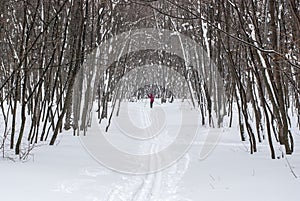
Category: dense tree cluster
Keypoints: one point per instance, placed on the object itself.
(253, 46)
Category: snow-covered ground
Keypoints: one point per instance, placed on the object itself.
(71, 171)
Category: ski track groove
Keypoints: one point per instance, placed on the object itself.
(145, 192)
(159, 186)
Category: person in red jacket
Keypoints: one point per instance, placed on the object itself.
(151, 99)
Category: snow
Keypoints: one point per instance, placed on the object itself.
(67, 171)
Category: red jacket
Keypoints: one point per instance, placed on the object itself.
(151, 97)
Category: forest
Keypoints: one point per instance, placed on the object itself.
(49, 77)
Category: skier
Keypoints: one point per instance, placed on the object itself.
(151, 99)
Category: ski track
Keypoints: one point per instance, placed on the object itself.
(150, 180)
(159, 186)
